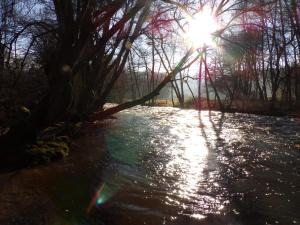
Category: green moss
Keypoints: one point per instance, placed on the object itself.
(65, 139)
(53, 143)
(46, 151)
(25, 110)
(61, 129)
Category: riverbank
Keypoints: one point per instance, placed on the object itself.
(53, 143)
(46, 194)
(238, 106)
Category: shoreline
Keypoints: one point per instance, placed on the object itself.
(255, 107)
(63, 148)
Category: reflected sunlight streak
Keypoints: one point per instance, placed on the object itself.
(188, 159)
(189, 164)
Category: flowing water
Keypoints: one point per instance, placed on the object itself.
(167, 166)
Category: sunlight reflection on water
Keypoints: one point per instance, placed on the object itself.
(168, 166)
(188, 158)
(171, 164)
(186, 155)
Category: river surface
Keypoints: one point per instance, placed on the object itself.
(166, 166)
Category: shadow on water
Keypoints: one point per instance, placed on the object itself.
(166, 166)
(254, 171)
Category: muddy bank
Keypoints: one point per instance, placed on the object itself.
(30, 195)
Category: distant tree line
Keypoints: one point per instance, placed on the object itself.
(259, 56)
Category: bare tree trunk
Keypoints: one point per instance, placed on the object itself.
(199, 83)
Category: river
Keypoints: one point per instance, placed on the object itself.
(166, 166)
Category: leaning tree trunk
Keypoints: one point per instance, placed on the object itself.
(108, 112)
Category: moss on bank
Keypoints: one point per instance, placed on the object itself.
(47, 151)
(53, 143)
(50, 144)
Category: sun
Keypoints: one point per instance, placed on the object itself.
(200, 28)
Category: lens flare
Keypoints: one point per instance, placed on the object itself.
(101, 196)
